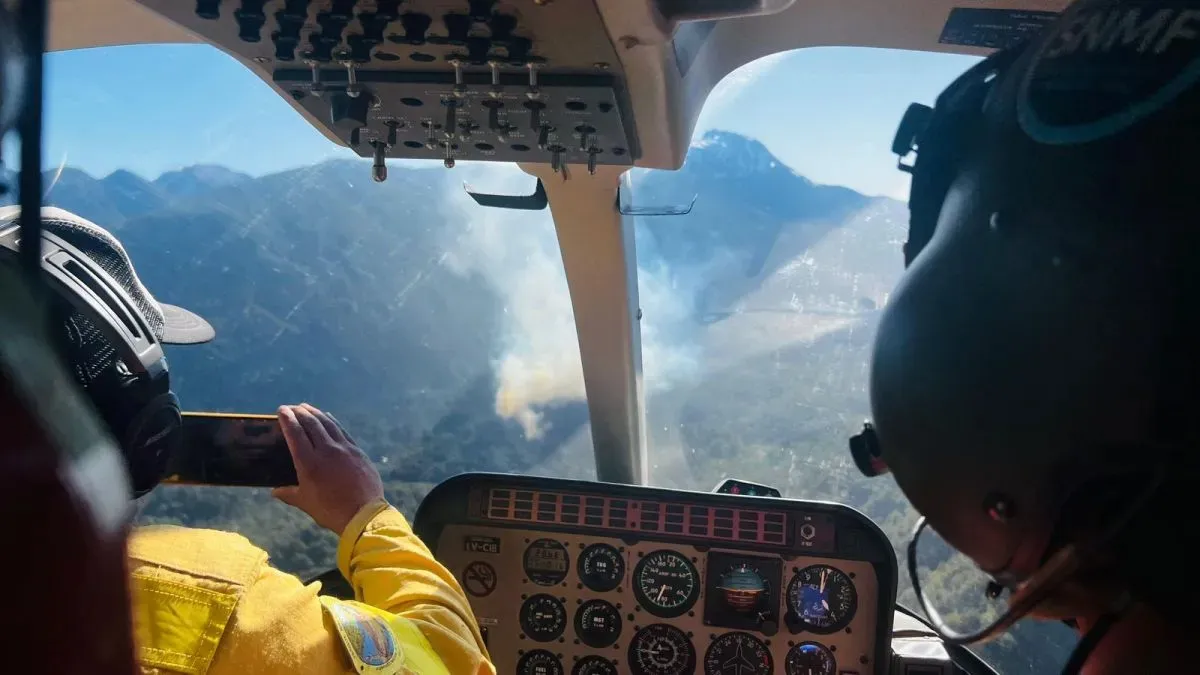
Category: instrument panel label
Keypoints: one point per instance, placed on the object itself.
(479, 544)
(992, 28)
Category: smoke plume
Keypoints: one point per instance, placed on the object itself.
(537, 362)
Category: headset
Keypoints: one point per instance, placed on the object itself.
(113, 352)
(941, 137)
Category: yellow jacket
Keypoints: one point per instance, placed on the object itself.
(206, 603)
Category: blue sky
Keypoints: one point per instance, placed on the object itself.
(828, 112)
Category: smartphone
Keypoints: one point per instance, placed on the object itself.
(232, 449)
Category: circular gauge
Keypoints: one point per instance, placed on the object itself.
(738, 654)
(666, 583)
(601, 567)
(597, 623)
(539, 662)
(661, 649)
(743, 588)
(822, 598)
(546, 562)
(809, 658)
(594, 665)
(543, 617)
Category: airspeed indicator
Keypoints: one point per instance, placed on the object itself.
(666, 583)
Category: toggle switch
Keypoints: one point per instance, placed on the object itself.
(494, 108)
(586, 135)
(556, 153)
(353, 88)
(379, 161)
(455, 60)
(451, 105)
(317, 88)
(497, 89)
(501, 129)
(534, 92)
(535, 114)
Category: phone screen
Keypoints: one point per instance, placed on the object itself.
(231, 449)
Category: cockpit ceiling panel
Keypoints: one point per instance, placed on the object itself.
(77, 24)
(554, 82)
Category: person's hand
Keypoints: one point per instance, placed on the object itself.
(335, 478)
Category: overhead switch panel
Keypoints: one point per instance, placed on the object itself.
(528, 81)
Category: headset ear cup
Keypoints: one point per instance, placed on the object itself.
(930, 182)
(152, 439)
(946, 137)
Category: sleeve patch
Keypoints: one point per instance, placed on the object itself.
(368, 639)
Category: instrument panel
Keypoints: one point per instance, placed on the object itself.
(591, 578)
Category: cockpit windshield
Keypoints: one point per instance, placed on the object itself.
(440, 332)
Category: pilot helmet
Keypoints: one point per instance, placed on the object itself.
(1033, 372)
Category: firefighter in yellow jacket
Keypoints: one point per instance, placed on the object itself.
(207, 602)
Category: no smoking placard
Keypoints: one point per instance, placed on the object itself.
(479, 579)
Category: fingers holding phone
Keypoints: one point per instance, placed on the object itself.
(336, 479)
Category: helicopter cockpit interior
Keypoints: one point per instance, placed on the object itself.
(584, 548)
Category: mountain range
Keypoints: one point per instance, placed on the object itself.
(325, 286)
(395, 304)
